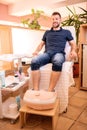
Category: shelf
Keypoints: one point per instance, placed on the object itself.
(83, 34)
(5, 108)
(7, 115)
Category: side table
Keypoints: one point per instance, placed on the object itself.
(18, 89)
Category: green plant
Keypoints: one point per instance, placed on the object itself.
(25, 22)
(84, 15)
(75, 20)
(34, 24)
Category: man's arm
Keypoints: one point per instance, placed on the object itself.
(73, 53)
(39, 47)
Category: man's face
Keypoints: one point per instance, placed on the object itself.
(56, 20)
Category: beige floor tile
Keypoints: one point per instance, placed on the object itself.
(8, 126)
(33, 121)
(78, 126)
(72, 91)
(2, 123)
(64, 123)
(30, 128)
(46, 123)
(15, 127)
(78, 102)
(81, 94)
(72, 112)
(38, 128)
(83, 117)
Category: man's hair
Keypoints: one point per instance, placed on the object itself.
(56, 13)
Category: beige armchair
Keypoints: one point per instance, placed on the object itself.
(65, 80)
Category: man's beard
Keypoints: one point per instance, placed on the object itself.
(56, 26)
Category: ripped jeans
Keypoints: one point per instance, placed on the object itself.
(57, 59)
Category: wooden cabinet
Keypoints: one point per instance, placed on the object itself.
(83, 34)
(83, 57)
(5, 46)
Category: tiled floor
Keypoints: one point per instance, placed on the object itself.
(74, 119)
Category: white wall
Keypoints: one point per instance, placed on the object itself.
(25, 40)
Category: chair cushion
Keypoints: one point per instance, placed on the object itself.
(39, 100)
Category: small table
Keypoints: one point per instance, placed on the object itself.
(52, 113)
(18, 89)
(6, 95)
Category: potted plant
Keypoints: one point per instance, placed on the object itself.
(76, 20)
(34, 24)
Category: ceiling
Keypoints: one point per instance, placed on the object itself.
(23, 7)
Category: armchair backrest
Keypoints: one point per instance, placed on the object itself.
(68, 47)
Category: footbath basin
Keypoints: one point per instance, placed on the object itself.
(40, 100)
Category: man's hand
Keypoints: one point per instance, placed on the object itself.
(73, 55)
(38, 49)
(35, 53)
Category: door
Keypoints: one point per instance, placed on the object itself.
(5, 46)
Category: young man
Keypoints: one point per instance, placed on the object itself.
(54, 41)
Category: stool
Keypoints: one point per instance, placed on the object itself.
(54, 113)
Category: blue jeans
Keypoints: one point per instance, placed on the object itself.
(56, 59)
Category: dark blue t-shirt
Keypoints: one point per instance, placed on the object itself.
(55, 40)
